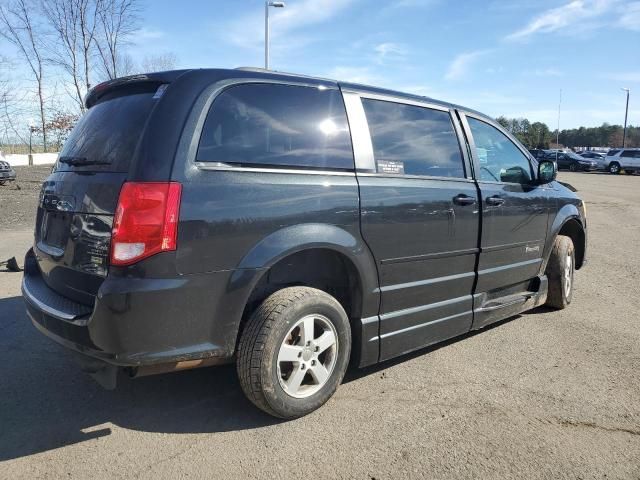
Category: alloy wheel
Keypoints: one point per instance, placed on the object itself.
(568, 274)
(307, 356)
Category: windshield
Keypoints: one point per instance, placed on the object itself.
(107, 134)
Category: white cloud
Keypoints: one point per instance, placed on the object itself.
(554, 19)
(624, 76)
(412, 3)
(460, 65)
(248, 31)
(148, 34)
(630, 16)
(355, 75)
(389, 51)
(547, 72)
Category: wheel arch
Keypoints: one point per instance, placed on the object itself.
(568, 222)
(321, 256)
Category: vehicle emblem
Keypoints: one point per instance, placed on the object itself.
(62, 203)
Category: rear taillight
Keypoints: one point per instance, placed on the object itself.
(146, 221)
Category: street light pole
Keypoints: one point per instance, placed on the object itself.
(558, 129)
(626, 113)
(268, 4)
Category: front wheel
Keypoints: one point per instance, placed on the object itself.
(614, 167)
(560, 270)
(294, 352)
(573, 167)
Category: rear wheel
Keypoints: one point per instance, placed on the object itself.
(614, 167)
(294, 351)
(573, 167)
(560, 270)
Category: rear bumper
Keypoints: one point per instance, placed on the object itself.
(7, 175)
(140, 322)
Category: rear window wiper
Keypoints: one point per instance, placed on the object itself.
(74, 161)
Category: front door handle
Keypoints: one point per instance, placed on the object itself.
(462, 199)
(495, 200)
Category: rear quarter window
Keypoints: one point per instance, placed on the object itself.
(277, 125)
(630, 153)
(106, 136)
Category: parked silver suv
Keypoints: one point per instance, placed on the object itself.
(627, 159)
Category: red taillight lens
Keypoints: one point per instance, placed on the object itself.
(146, 221)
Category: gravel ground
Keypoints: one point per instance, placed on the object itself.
(19, 199)
(544, 395)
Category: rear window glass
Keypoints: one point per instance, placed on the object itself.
(413, 140)
(277, 125)
(106, 136)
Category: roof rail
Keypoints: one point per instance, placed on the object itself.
(253, 69)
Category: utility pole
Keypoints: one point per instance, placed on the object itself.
(626, 114)
(558, 129)
(268, 4)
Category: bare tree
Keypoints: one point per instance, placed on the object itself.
(159, 63)
(17, 25)
(75, 23)
(117, 20)
(14, 107)
(60, 127)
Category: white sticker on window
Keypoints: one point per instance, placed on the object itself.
(390, 167)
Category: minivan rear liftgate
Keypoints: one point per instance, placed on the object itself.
(78, 201)
(73, 231)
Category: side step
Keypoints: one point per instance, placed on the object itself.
(506, 301)
(496, 309)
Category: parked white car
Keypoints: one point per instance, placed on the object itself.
(627, 159)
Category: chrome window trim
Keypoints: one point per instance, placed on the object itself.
(397, 99)
(363, 143)
(195, 122)
(533, 164)
(360, 134)
(228, 167)
(532, 161)
(417, 177)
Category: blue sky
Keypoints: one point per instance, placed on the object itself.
(506, 57)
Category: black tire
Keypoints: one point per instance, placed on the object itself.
(614, 167)
(265, 332)
(573, 167)
(561, 288)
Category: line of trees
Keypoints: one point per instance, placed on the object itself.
(538, 134)
(65, 47)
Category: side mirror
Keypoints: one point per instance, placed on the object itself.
(547, 171)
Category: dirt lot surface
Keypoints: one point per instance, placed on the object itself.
(19, 199)
(544, 395)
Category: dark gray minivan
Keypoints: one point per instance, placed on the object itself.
(290, 225)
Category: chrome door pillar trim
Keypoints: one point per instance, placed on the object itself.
(360, 135)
